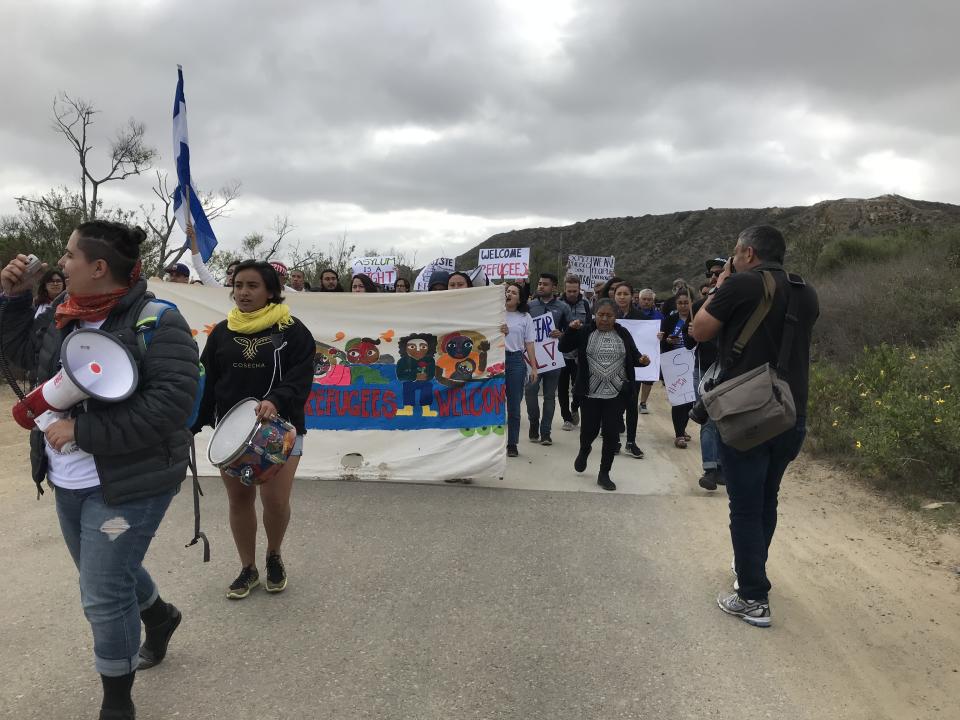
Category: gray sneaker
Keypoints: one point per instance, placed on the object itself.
(643, 409)
(750, 611)
(567, 425)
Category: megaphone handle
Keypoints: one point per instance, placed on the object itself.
(48, 418)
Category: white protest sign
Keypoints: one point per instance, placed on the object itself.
(549, 357)
(644, 334)
(591, 269)
(423, 279)
(381, 269)
(505, 263)
(677, 367)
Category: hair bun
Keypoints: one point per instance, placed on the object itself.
(137, 235)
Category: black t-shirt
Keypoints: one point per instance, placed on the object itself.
(733, 305)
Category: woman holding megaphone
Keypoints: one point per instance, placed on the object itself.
(128, 457)
(259, 364)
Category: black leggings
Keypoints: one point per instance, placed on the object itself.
(601, 416)
(633, 412)
(681, 416)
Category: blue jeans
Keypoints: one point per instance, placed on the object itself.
(516, 368)
(550, 381)
(709, 437)
(107, 544)
(753, 481)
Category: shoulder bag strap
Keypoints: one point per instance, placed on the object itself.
(789, 330)
(769, 287)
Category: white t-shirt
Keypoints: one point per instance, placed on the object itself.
(521, 331)
(75, 470)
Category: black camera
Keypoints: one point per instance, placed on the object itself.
(698, 413)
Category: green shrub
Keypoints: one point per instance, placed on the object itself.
(846, 251)
(895, 414)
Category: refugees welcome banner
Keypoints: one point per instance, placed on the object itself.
(406, 386)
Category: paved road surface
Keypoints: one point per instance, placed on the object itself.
(448, 602)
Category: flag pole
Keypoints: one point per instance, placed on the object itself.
(186, 211)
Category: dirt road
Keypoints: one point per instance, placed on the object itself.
(537, 597)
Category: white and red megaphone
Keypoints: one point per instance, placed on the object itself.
(95, 364)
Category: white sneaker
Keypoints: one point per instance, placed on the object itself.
(750, 611)
(643, 409)
(567, 425)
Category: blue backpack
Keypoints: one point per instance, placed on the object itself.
(146, 326)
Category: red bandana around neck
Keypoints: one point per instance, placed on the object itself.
(91, 308)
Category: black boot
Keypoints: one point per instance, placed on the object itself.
(160, 620)
(580, 464)
(604, 481)
(117, 703)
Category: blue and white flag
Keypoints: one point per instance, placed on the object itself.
(206, 240)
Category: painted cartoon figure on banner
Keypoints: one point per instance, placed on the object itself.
(330, 365)
(416, 369)
(463, 358)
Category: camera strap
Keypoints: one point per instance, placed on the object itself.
(758, 316)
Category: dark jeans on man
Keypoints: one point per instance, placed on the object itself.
(753, 481)
(568, 402)
(601, 417)
(549, 382)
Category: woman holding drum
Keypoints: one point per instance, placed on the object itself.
(260, 352)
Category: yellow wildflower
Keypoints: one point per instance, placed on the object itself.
(912, 356)
(937, 421)
(946, 387)
(940, 401)
(835, 423)
(859, 445)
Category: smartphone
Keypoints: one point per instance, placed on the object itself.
(33, 267)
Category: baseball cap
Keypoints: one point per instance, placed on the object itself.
(178, 269)
(715, 261)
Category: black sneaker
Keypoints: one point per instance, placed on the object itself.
(580, 464)
(154, 647)
(534, 434)
(709, 480)
(604, 481)
(276, 574)
(127, 713)
(246, 581)
(635, 451)
(643, 409)
(546, 440)
(512, 451)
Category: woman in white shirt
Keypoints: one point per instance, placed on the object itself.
(519, 338)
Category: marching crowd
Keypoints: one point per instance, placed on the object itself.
(115, 467)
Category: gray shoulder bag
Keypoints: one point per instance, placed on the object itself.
(758, 405)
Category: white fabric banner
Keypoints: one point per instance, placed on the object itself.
(677, 366)
(382, 270)
(505, 263)
(644, 334)
(431, 406)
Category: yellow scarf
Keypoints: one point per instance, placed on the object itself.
(253, 322)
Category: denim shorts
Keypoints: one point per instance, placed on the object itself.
(297, 447)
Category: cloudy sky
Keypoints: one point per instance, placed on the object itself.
(429, 125)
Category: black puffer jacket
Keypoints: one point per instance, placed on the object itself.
(576, 341)
(140, 445)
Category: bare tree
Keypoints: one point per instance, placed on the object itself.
(161, 221)
(281, 228)
(129, 153)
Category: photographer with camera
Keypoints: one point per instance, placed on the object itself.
(763, 319)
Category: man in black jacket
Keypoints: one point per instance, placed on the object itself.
(753, 476)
